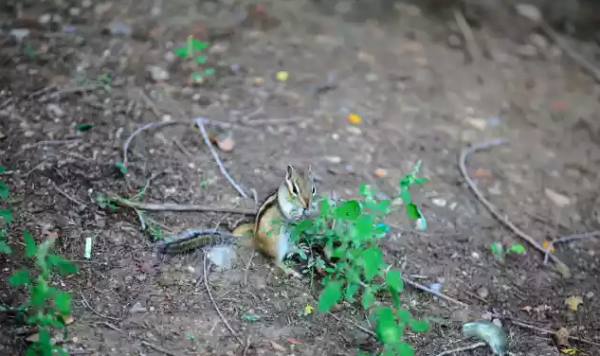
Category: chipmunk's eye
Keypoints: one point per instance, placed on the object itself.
(314, 190)
(294, 190)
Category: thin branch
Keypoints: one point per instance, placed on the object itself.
(179, 207)
(217, 308)
(460, 349)
(436, 293)
(64, 194)
(158, 348)
(549, 332)
(168, 123)
(564, 269)
(567, 239)
(361, 328)
(199, 122)
(576, 57)
(472, 47)
(87, 304)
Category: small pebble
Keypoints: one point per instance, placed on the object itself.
(353, 130)
(334, 159)
(381, 173)
(483, 292)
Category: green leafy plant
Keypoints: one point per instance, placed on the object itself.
(192, 51)
(500, 251)
(348, 233)
(47, 307)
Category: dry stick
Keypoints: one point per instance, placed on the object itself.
(460, 349)
(179, 207)
(168, 123)
(503, 219)
(199, 122)
(217, 308)
(66, 195)
(567, 239)
(85, 302)
(577, 58)
(436, 293)
(549, 332)
(158, 348)
(468, 35)
(361, 328)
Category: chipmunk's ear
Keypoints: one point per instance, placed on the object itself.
(289, 172)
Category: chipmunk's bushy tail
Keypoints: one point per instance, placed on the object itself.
(194, 239)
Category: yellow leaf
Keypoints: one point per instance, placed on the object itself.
(308, 309)
(282, 76)
(354, 119)
(545, 245)
(573, 302)
(569, 351)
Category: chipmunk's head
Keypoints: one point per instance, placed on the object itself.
(299, 190)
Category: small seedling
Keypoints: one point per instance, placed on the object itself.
(500, 251)
(192, 52)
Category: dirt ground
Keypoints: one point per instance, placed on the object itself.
(420, 97)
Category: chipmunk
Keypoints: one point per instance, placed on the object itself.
(268, 232)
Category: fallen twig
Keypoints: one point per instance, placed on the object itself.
(567, 239)
(472, 47)
(158, 348)
(431, 291)
(179, 207)
(168, 123)
(199, 122)
(546, 331)
(64, 194)
(563, 269)
(217, 307)
(576, 57)
(87, 304)
(460, 349)
(361, 328)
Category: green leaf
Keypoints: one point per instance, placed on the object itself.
(363, 190)
(181, 52)
(497, 249)
(199, 45)
(64, 267)
(6, 215)
(386, 329)
(39, 295)
(20, 277)
(383, 206)
(84, 127)
(418, 326)
(517, 248)
(393, 280)
(2, 169)
(201, 59)
(330, 296)
(209, 71)
(420, 180)
(63, 302)
(30, 248)
(351, 289)
(404, 349)
(372, 260)
(406, 196)
(3, 190)
(4, 248)
(364, 227)
(121, 167)
(250, 317)
(412, 211)
(350, 210)
(368, 299)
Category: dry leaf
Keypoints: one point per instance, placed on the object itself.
(68, 319)
(482, 173)
(573, 302)
(527, 308)
(561, 337)
(278, 347)
(381, 173)
(557, 198)
(33, 338)
(354, 119)
(546, 244)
